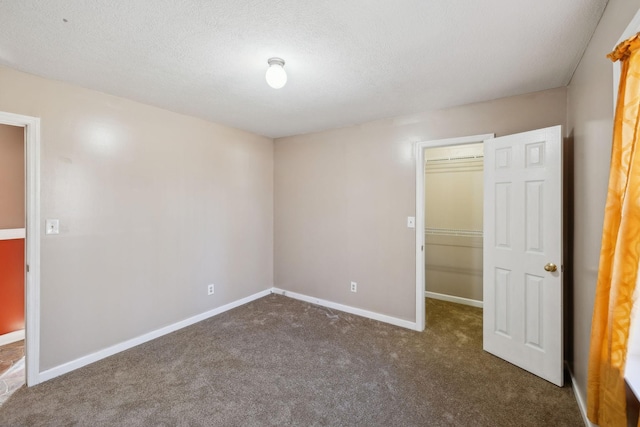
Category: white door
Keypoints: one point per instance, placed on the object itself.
(523, 251)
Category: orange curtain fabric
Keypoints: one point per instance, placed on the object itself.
(620, 251)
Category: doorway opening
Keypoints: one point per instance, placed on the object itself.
(30, 234)
(522, 261)
(453, 223)
(12, 259)
(437, 149)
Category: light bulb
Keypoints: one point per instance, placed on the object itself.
(276, 75)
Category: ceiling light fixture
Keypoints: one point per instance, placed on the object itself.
(276, 75)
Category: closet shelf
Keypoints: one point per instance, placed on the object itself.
(451, 232)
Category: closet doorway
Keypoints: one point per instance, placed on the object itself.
(453, 205)
(522, 254)
(442, 152)
(31, 263)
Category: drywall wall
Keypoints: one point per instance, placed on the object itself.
(342, 198)
(590, 124)
(153, 206)
(453, 221)
(11, 177)
(11, 285)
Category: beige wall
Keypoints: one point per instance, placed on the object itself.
(590, 121)
(342, 198)
(152, 205)
(11, 177)
(454, 188)
(454, 266)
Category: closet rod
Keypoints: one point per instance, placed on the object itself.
(446, 159)
(452, 232)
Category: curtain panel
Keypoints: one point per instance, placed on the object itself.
(619, 254)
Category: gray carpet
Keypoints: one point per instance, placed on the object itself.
(281, 362)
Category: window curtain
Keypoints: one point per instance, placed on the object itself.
(619, 254)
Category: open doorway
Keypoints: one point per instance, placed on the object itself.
(453, 187)
(438, 150)
(522, 250)
(29, 266)
(12, 259)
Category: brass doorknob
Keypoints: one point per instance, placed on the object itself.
(550, 267)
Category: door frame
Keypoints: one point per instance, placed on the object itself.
(420, 179)
(31, 127)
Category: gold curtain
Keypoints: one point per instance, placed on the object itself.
(619, 254)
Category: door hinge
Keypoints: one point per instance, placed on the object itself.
(27, 268)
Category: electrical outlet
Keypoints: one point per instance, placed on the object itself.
(210, 289)
(354, 287)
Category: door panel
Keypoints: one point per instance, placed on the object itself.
(523, 233)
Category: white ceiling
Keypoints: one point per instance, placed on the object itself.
(348, 62)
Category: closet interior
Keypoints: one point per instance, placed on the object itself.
(453, 223)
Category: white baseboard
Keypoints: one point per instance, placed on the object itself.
(117, 348)
(348, 309)
(109, 351)
(581, 403)
(451, 298)
(11, 337)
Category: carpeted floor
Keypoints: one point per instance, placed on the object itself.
(11, 369)
(282, 362)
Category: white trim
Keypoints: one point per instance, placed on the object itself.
(581, 403)
(11, 337)
(12, 233)
(117, 348)
(32, 244)
(420, 177)
(348, 309)
(452, 298)
(126, 345)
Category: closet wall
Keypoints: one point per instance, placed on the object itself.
(453, 221)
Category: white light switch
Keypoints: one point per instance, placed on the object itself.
(411, 221)
(52, 226)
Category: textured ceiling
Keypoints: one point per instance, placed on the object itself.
(348, 62)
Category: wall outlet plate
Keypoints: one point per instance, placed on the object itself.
(210, 289)
(354, 287)
(52, 226)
